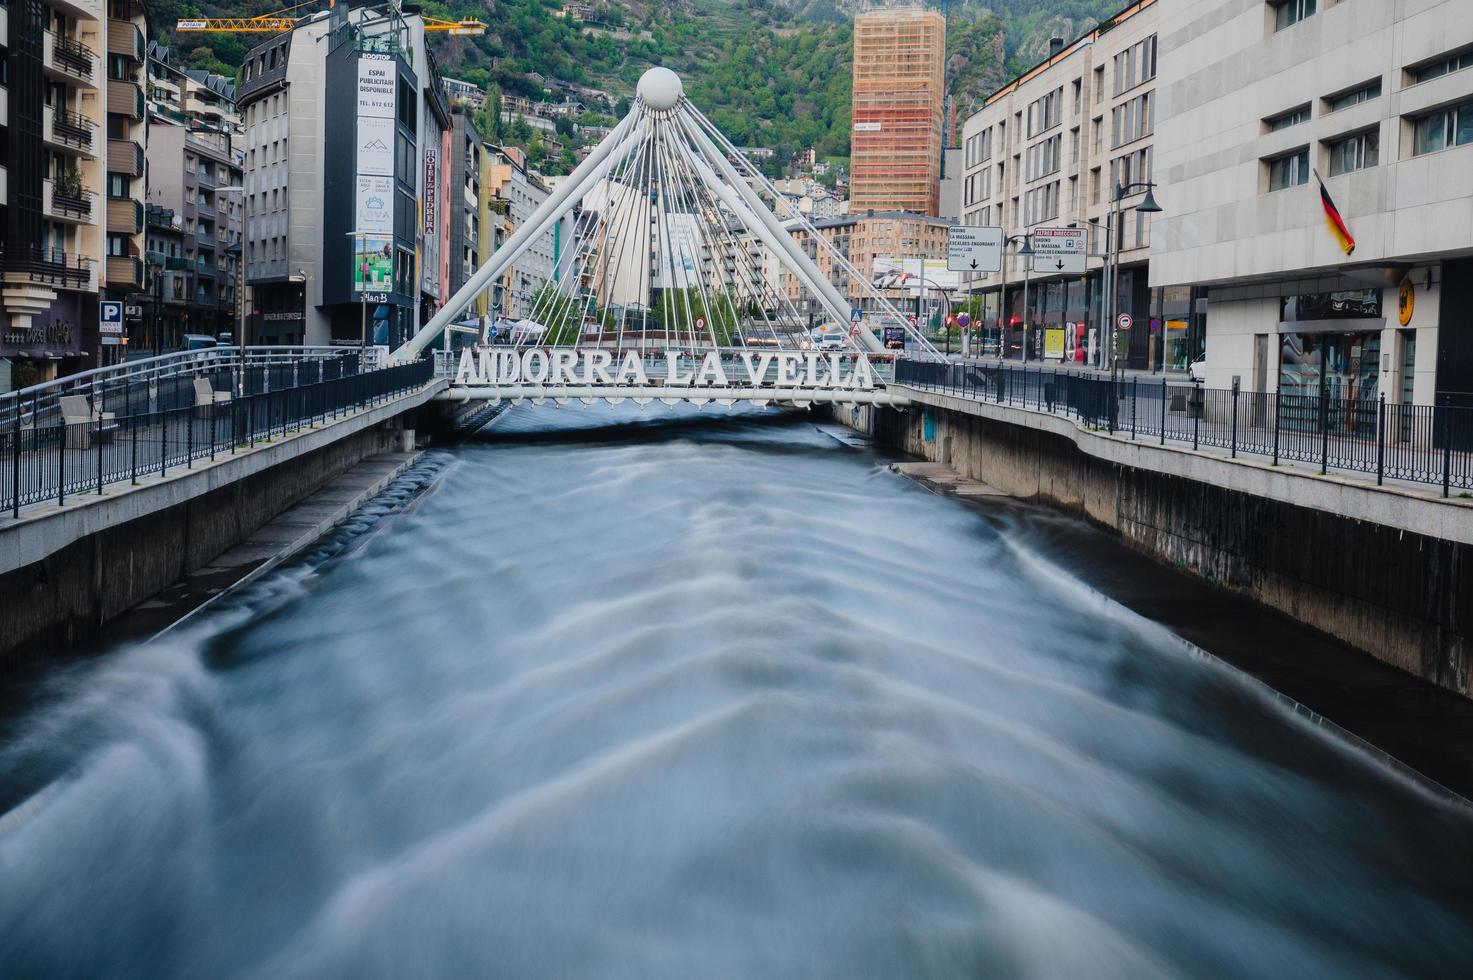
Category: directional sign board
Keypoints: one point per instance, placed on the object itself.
(110, 317)
(974, 249)
(1059, 251)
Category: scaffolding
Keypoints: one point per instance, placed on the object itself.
(899, 92)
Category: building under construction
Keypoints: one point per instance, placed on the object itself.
(899, 90)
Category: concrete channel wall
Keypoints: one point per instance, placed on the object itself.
(66, 571)
(1382, 569)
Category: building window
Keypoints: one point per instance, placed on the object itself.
(1439, 130)
(1287, 13)
(1286, 119)
(1444, 66)
(117, 245)
(1363, 93)
(1046, 113)
(1355, 153)
(1290, 170)
(119, 185)
(1131, 121)
(1136, 65)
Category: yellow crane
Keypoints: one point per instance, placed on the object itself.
(284, 20)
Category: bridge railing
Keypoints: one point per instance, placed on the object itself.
(166, 381)
(1416, 443)
(64, 456)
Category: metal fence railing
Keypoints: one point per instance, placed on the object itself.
(65, 455)
(1415, 443)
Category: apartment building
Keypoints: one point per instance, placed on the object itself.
(195, 178)
(463, 174)
(523, 191)
(127, 123)
(898, 96)
(1376, 98)
(1046, 150)
(345, 212)
(873, 242)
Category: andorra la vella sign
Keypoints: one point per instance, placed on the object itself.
(596, 367)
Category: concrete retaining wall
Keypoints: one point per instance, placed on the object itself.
(1381, 569)
(99, 556)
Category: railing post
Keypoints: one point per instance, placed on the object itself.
(214, 427)
(1134, 382)
(60, 465)
(99, 447)
(1163, 411)
(1324, 433)
(1381, 440)
(1447, 450)
(1199, 400)
(189, 442)
(15, 461)
(1233, 453)
(133, 438)
(1276, 397)
(164, 443)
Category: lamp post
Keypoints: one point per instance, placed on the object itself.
(1026, 251)
(1113, 229)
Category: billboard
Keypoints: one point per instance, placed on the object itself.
(893, 273)
(376, 145)
(376, 81)
(375, 211)
(373, 264)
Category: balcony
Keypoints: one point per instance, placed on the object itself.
(59, 204)
(124, 216)
(69, 60)
(125, 39)
(125, 98)
(125, 157)
(69, 131)
(51, 266)
(125, 271)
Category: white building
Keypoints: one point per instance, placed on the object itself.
(1377, 97)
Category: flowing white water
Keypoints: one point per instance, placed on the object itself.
(641, 695)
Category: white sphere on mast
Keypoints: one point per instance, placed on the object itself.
(660, 89)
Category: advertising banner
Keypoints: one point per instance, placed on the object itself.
(376, 81)
(375, 211)
(373, 264)
(1053, 344)
(376, 145)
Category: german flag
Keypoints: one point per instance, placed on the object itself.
(1332, 218)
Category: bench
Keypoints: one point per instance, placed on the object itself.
(205, 395)
(79, 419)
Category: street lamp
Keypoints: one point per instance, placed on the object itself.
(1147, 205)
(1027, 253)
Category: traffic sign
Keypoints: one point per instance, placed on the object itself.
(1124, 321)
(974, 249)
(855, 315)
(700, 323)
(963, 320)
(1060, 251)
(110, 317)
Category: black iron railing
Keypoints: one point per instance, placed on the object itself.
(163, 426)
(1415, 443)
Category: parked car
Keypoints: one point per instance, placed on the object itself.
(1197, 371)
(199, 341)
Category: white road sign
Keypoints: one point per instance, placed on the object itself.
(1060, 251)
(974, 249)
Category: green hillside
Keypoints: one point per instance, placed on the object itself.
(769, 72)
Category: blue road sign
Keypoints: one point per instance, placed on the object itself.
(110, 317)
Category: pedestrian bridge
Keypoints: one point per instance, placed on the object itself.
(697, 376)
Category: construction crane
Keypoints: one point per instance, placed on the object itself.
(284, 20)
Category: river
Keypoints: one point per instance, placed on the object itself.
(652, 694)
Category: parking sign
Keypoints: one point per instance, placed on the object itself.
(110, 317)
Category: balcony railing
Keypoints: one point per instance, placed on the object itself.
(60, 204)
(124, 216)
(124, 38)
(71, 130)
(125, 270)
(53, 266)
(70, 57)
(125, 97)
(125, 157)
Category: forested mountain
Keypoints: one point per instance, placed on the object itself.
(769, 72)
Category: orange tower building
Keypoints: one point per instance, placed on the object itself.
(899, 91)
